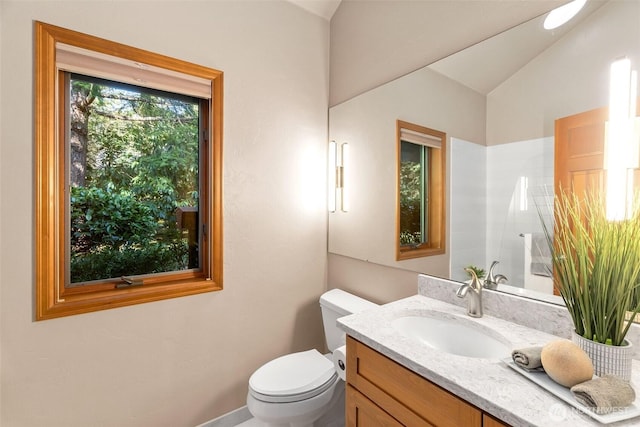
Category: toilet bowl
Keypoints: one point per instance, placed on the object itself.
(294, 390)
(303, 389)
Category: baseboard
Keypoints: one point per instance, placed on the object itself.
(230, 419)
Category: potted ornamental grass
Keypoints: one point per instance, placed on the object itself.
(596, 270)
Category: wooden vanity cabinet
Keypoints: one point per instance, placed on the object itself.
(380, 392)
(489, 421)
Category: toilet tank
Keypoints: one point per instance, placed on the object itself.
(337, 303)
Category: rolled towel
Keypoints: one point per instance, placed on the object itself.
(605, 394)
(528, 358)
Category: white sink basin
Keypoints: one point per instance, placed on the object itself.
(453, 335)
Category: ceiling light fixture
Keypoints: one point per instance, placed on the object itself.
(563, 14)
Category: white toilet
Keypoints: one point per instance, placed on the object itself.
(303, 389)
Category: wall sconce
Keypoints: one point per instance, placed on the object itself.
(338, 158)
(621, 140)
(523, 184)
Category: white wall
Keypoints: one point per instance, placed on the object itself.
(467, 206)
(507, 217)
(378, 283)
(183, 361)
(487, 216)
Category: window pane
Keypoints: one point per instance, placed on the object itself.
(133, 180)
(413, 210)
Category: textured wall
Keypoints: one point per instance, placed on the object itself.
(183, 361)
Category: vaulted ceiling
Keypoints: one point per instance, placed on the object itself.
(323, 8)
(375, 41)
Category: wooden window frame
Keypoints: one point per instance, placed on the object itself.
(437, 196)
(52, 298)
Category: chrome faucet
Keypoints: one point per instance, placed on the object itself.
(474, 289)
(492, 282)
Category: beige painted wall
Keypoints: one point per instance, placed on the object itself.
(183, 361)
(1, 201)
(375, 282)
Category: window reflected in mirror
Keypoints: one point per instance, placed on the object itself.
(420, 216)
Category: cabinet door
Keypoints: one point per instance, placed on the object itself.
(409, 398)
(489, 421)
(361, 412)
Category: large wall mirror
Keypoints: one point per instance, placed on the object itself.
(497, 101)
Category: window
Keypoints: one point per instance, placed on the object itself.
(420, 217)
(128, 175)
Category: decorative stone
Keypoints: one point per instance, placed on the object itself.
(566, 363)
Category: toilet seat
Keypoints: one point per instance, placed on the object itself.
(293, 377)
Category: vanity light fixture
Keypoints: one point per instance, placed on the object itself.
(563, 14)
(524, 193)
(344, 200)
(337, 197)
(621, 140)
(332, 176)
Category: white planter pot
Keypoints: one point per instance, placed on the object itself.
(607, 359)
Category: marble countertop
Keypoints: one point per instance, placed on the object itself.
(488, 384)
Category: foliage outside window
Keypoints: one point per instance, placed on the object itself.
(133, 168)
(128, 175)
(414, 193)
(420, 205)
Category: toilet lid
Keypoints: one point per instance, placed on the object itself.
(293, 377)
